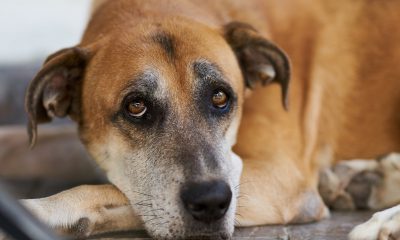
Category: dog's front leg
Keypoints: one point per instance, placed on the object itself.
(281, 196)
(85, 211)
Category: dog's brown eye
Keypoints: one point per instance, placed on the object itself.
(219, 99)
(137, 108)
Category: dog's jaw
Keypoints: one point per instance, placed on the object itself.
(155, 199)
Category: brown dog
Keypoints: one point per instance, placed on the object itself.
(158, 89)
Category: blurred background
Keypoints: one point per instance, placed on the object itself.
(30, 31)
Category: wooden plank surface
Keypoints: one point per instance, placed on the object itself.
(335, 228)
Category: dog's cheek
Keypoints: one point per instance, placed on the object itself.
(232, 131)
(109, 153)
(160, 207)
(148, 180)
(237, 167)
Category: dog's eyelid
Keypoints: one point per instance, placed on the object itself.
(222, 86)
(216, 80)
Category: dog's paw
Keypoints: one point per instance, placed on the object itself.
(64, 218)
(85, 210)
(384, 225)
(349, 184)
(362, 184)
(387, 192)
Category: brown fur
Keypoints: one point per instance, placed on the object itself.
(344, 96)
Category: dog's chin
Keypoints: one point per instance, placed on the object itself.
(204, 236)
(196, 230)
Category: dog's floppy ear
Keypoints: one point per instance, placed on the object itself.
(259, 59)
(55, 89)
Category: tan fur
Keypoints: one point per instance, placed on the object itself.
(344, 97)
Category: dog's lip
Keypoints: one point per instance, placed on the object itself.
(214, 237)
(205, 236)
(218, 234)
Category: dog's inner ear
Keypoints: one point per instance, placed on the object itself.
(260, 60)
(55, 90)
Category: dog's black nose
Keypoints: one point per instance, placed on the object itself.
(207, 201)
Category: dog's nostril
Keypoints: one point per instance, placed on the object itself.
(207, 201)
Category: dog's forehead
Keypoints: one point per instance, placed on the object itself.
(174, 51)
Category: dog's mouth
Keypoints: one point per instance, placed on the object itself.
(217, 236)
(190, 228)
(180, 223)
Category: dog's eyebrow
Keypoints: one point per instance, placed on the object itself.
(204, 69)
(146, 82)
(166, 41)
(210, 76)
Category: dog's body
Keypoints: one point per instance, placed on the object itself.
(344, 104)
(344, 99)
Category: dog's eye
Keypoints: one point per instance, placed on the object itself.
(137, 108)
(219, 99)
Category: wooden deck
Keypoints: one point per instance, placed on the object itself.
(335, 228)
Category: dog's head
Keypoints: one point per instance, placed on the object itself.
(158, 108)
